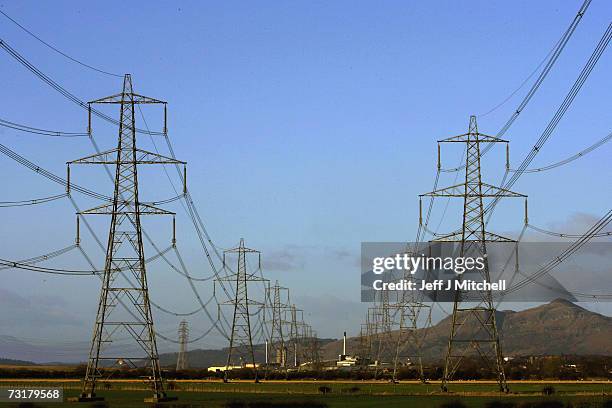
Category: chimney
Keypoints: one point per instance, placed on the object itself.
(344, 345)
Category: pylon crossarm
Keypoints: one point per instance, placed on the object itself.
(144, 209)
(251, 277)
(457, 236)
(489, 190)
(106, 157)
(128, 97)
(110, 157)
(459, 190)
(452, 191)
(472, 137)
(238, 249)
(145, 157)
(249, 302)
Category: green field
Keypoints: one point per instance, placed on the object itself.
(194, 394)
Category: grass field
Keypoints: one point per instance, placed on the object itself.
(305, 394)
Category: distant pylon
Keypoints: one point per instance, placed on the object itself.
(294, 335)
(241, 337)
(407, 311)
(304, 339)
(408, 340)
(384, 334)
(314, 348)
(473, 237)
(277, 337)
(364, 342)
(183, 337)
(124, 308)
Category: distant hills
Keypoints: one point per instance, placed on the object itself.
(556, 328)
(11, 362)
(13, 348)
(559, 327)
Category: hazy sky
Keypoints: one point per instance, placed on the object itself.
(308, 127)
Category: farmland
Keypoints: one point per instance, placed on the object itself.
(131, 393)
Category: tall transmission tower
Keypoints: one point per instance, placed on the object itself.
(294, 333)
(314, 349)
(303, 333)
(277, 338)
(125, 279)
(384, 322)
(372, 332)
(476, 309)
(408, 340)
(241, 337)
(407, 311)
(365, 341)
(183, 337)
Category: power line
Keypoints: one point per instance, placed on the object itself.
(557, 52)
(44, 257)
(567, 101)
(570, 159)
(553, 263)
(38, 131)
(49, 175)
(63, 91)
(505, 100)
(566, 235)
(549, 65)
(54, 271)
(560, 163)
(33, 201)
(57, 50)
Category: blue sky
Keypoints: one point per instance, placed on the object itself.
(308, 127)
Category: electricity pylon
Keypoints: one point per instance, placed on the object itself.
(407, 311)
(314, 349)
(372, 332)
(365, 341)
(303, 333)
(383, 320)
(183, 337)
(477, 308)
(294, 335)
(279, 307)
(125, 279)
(407, 315)
(241, 337)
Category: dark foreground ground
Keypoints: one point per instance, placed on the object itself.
(341, 394)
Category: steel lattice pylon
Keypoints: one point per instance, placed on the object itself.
(294, 334)
(183, 337)
(383, 320)
(277, 337)
(241, 337)
(124, 308)
(407, 315)
(407, 311)
(480, 311)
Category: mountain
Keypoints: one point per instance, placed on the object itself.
(13, 348)
(559, 327)
(556, 328)
(11, 362)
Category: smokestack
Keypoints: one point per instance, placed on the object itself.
(344, 345)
